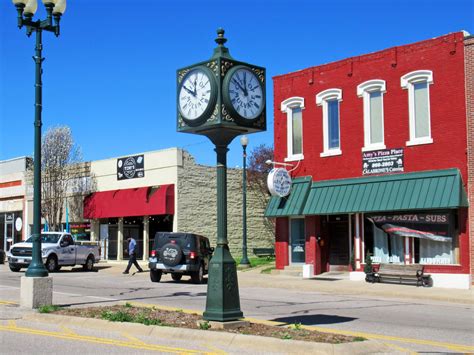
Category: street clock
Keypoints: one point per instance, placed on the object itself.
(221, 96)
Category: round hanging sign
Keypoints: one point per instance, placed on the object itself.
(279, 182)
(18, 224)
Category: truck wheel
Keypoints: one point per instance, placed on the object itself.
(89, 265)
(15, 268)
(198, 276)
(176, 277)
(51, 263)
(57, 268)
(155, 275)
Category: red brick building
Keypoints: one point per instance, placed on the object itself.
(378, 147)
(469, 69)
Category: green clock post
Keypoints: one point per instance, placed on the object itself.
(221, 98)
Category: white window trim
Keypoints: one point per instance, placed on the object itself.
(287, 106)
(364, 90)
(407, 82)
(322, 100)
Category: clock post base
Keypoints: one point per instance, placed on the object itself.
(222, 302)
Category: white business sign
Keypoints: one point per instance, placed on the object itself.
(279, 182)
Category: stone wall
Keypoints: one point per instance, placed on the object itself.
(197, 207)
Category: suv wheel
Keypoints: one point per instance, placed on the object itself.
(198, 276)
(155, 275)
(171, 254)
(176, 277)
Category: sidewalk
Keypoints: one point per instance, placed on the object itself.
(340, 284)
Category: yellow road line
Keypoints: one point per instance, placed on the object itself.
(8, 302)
(133, 339)
(457, 347)
(66, 330)
(399, 348)
(11, 323)
(98, 340)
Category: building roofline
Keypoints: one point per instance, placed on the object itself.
(372, 55)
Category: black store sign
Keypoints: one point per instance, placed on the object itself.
(382, 161)
(131, 167)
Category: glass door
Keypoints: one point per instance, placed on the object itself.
(297, 240)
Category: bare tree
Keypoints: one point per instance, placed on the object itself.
(258, 169)
(63, 175)
(257, 174)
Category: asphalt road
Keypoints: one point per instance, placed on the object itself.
(406, 324)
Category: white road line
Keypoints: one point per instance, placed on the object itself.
(67, 294)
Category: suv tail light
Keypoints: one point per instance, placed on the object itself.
(153, 253)
(192, 255)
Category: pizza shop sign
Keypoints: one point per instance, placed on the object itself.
(130, 167)
(279, 182)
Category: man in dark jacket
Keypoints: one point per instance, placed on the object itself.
(132, 248)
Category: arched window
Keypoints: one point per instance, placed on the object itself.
(293, 107)
(329, 99)
(418, 85)
(372, 93)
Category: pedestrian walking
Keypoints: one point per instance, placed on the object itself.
(132, 248)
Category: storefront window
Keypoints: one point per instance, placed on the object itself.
(382, 247)
(432, 237)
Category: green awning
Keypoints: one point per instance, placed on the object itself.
(440, 189)
(293, 204)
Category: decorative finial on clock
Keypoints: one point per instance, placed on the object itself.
(220, 40)
(221, 50)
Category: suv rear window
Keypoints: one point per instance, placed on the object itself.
(185, 241)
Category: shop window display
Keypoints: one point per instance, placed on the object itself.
(432, 237)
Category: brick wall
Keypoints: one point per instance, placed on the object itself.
(469, 68)
(444, 56)
(197, 208)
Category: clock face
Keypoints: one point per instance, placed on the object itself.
(195, 94)
(246, 93)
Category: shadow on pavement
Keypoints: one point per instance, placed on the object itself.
(314, 319)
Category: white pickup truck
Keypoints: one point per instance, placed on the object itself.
(57, 249)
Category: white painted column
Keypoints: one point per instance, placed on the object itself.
(350, 235)
(362, 220)
(407, 250)
(26, 227)
(146, 236)
(94, 230)
(357, 241)
(120, 239)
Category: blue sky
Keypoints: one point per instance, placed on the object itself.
(111, 75)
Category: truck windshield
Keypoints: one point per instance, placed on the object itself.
(46, 238)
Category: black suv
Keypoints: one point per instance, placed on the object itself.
(180, 254)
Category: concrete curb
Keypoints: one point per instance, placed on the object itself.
(226, 340)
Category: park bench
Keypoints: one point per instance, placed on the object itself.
(412, 273)
(264, 252)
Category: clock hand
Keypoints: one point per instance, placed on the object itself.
(238, 84)
(188, 90)
(245, 84)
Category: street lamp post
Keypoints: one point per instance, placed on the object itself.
(244, 141)
(26, 10)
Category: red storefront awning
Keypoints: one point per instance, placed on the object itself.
(143, 201)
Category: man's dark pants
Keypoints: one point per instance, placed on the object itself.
(133, 260)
